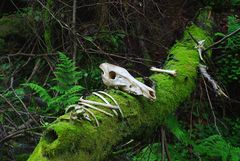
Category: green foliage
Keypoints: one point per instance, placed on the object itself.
(216, 146)
(235, 2)
(109, 41)
(211, 147)
(31, 13)
(233, 131)
(43, 93)
(233, 42)
(65, 91)
(151, 152)
(176, 129)
(228, 65)
(66, 75)
(91, 77)
(222, 3)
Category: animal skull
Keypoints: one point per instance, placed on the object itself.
(118, 77)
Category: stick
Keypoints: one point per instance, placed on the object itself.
(221, 40)
(217, 89)
(162, 141)
(74, 30)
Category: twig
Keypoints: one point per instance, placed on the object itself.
(217, 89)
(162, 143)
(31, 55)
(20, 100)
(11, 105)
(210, 104)
(166, 147)
(221, 40)
(195, 40)
(17, 132)
(34, 70)
(74, 30)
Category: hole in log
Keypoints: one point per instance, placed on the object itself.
(50, 136)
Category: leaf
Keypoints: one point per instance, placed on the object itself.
(219, 34)
(40, 90)
(89, 38)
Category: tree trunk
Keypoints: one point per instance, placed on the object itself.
(66, 140)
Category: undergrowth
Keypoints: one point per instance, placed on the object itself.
(229, 62)
(214, 147)
(65, 90)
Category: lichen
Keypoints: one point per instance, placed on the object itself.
(82, 141)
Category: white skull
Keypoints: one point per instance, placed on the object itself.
(118, 77)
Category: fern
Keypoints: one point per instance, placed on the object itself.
(233, 41)
(213, 146)
(42, 92)
(69, 97)
(216, 146)
(175, 128)
(66, 75)
(66, 78)
(228, 70)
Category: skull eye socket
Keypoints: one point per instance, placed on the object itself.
(112, 74)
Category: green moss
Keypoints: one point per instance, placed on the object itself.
(81, 141)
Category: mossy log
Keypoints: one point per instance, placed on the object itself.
(66, 140)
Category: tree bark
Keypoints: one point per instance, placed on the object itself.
(66, 140)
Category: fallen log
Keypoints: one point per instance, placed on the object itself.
(67, 140)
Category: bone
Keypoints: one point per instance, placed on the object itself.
(106, 94)
(171, 72)
(95, 108)
(100, 96)
(200, 48)
(92, 115)
(79, 109)
(120, 78)
(216, 87)
(98, 103)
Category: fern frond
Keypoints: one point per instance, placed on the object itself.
(69, 97)
(66, 74)
(235, 154)
(43, 93)
(176, 129)
(214, 146)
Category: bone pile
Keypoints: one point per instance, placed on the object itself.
(83, 110)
